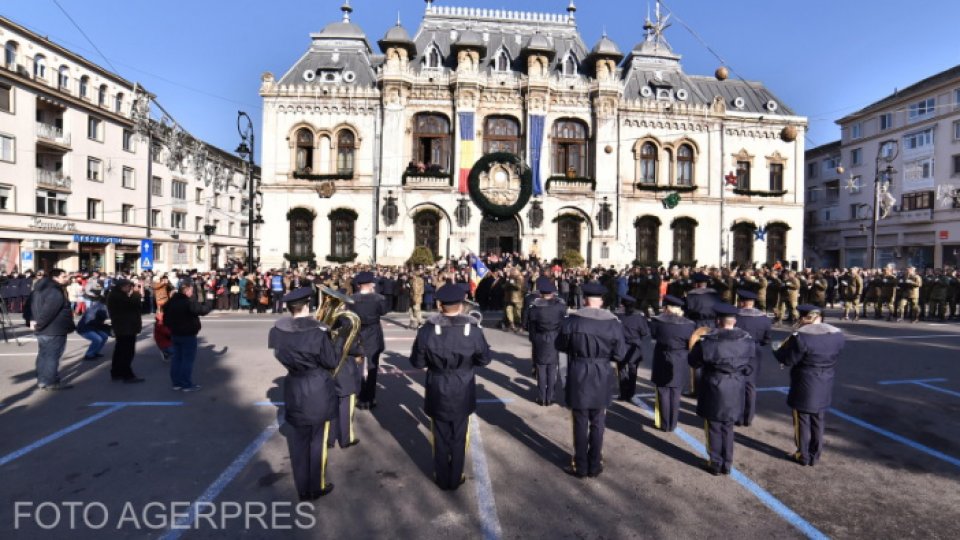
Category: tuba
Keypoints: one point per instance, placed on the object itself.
(334, 306)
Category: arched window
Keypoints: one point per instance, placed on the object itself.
(426, 230)
(118, 102)
(648, 240)
(743, 243)
(10, 54)
(501, 62)
(63, 79)
(685, 165)
(102, 95)
(501, 134)
(570, 148)
(684, 240)
(776, 243)
(648, 163)
(346, 148)
(568, 234)
(304, 160)
(39, 67)
(433, 59)
(569, 65)
(342, 223)
(431, 142)
(84, 86)
(301, 232)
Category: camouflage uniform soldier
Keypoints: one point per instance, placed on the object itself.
(909, 294)
(953, 290)
(513, 300)
(416, 299)
(928, 280)
(851, 289)
(789, 295)
(938, 296)
(888, 294)
(872, 297)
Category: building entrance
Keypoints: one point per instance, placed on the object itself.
(500, 237)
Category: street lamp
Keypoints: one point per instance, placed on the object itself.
(886, 152)
(245, 151)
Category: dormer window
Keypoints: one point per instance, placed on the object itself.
(501, 62)
(569, 66)
(433, 58)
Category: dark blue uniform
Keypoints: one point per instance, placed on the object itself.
(635, 328)
(543, 318)
(699, 308)
(592, 339)
(669, 373)
(811, 353)
(723, 357)
(757, 324)
(450, 348)
(304, 347)
(370, 307)
(348, 380)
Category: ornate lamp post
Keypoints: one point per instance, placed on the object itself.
(245, 151)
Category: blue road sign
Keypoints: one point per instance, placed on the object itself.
(146, 254)
(26, 255)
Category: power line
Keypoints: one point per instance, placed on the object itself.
(84, 34)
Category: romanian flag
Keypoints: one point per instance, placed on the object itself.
(466, 121)
(478, 271)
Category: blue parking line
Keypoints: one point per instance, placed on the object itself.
(495, 400)
(763, 495)
(213, 490)
(925, 383)
(489, 521)
(937, 388)
(912, 381)
(111, 407)
(269, 404)
(880, 431)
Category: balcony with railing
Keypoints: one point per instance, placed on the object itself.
(54, 135)
(178, 205)
(53, 180)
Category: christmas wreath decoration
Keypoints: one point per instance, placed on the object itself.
(759, 193)
(486, 206)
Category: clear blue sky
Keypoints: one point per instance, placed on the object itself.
(203, 58)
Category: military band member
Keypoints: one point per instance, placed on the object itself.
(544, 318)
(592, 338)
(723, 355)
(910, 284)
(635, 328)
(757, 324)
(671, 331)
(369, 306)
(450, 345)
(348, 380)
(811, 353)
(699, 309)
(303, 345)
(938, 295)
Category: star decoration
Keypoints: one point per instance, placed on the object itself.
(853, 184)
(731, 179)
(760, 234)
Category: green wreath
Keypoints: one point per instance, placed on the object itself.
(497, 210)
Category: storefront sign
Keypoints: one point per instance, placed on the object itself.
(944, 235)
(46, 225)
(27, 255)
(93, 239)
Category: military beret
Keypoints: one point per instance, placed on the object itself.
(593, 288)
(365, 277)
(671, 300)
(299, 294)
(627, 299)
(545, 285)
(451, 294)
(725, 310)
(700, 277)
(746, 295)
(808, 308)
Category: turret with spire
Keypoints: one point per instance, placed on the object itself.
(347, 10)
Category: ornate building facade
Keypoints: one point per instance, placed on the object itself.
(501, 131)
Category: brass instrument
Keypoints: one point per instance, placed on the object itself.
(473, 311)
(332, 307)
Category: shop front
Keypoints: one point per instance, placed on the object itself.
(127, 257)
(94, 251)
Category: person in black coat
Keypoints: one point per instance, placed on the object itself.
(369, 306)
(51, 319)
(303, 345)
(388, 290)
(592, 338)
(349, 379)
(181, 314)
(635, 328)
(699, 309)
(757, 324)
(671, 331)
(811, 353)
(543, 319)
(123, 304)
(723, 356)
(450, 345)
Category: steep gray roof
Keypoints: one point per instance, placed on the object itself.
(340, 49)
(444, 29)
(754, 94)
(606, 47)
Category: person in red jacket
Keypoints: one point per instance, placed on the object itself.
(162, 336)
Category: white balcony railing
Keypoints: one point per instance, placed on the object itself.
(52, 134)
(178, 205)
(52, 179)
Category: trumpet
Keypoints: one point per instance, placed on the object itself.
(332, 307)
